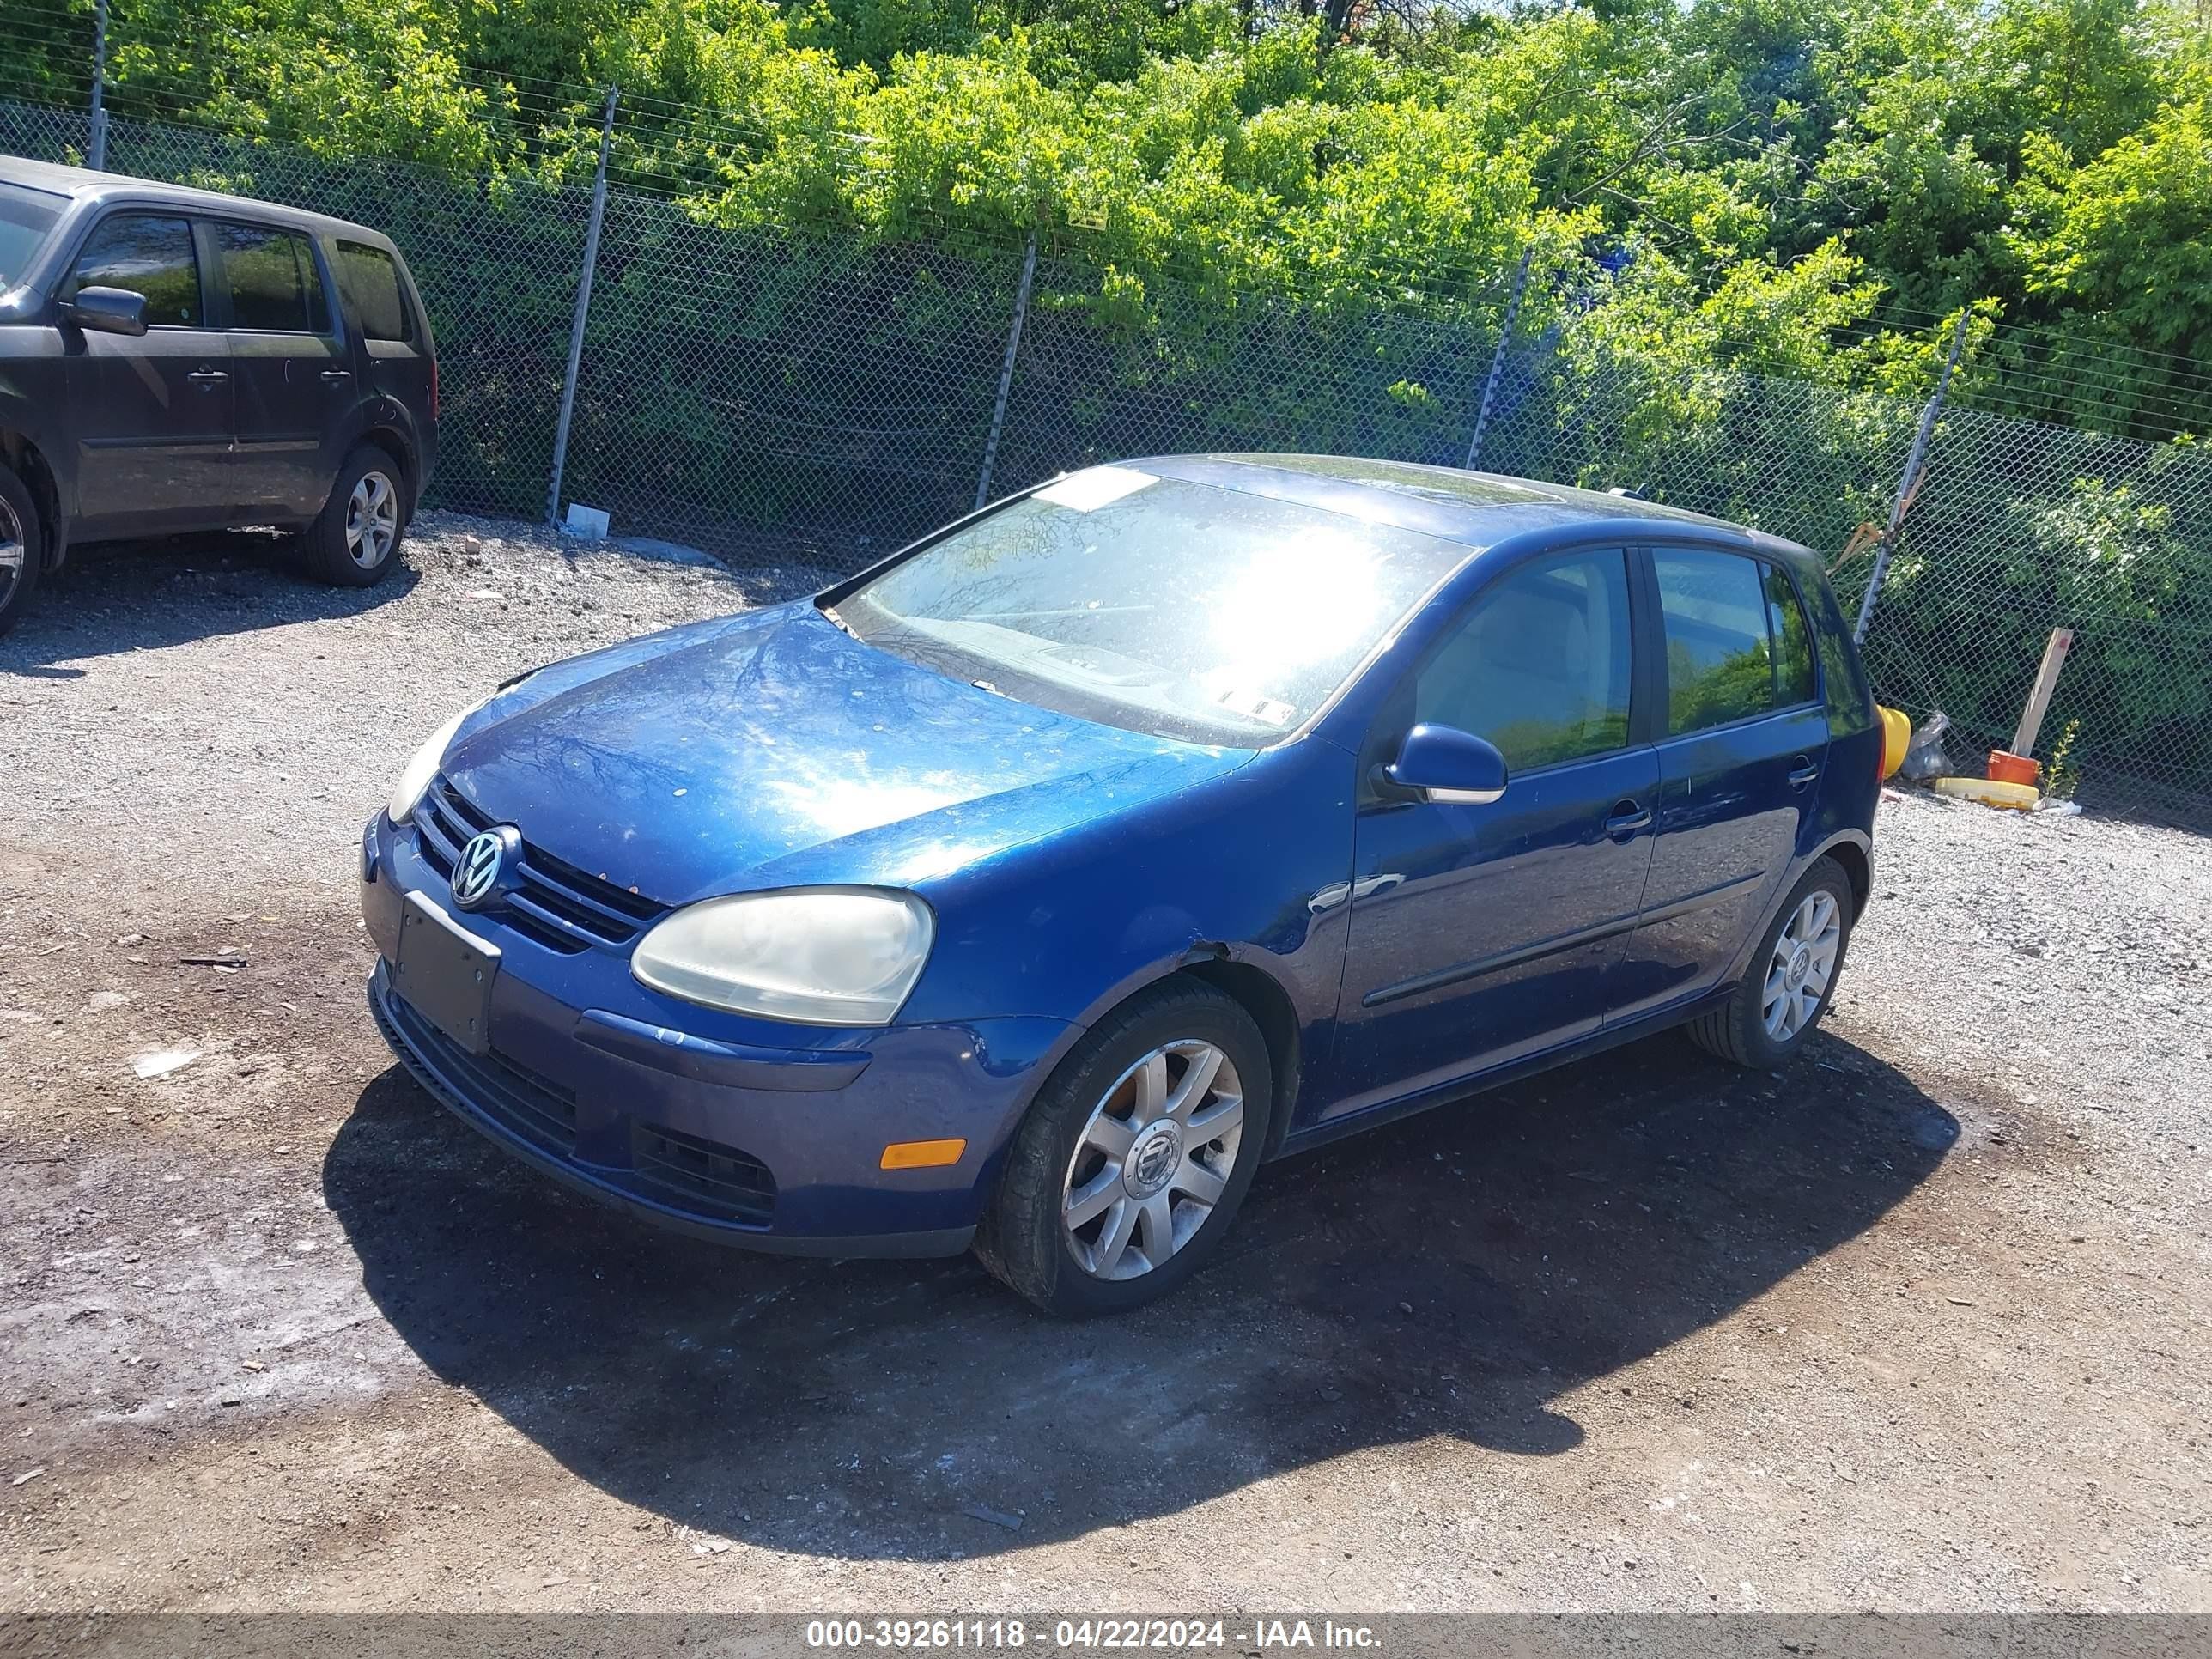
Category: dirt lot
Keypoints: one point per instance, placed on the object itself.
(1921, 1325)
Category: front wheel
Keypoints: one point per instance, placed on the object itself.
(354, 542)
(1792, 976)
(1134, 1156)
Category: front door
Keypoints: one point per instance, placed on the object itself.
(1481, 933)
(152, 412)
(1746, 737)
(295, 375)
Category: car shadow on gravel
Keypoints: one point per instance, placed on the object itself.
(133, 596)
(1454, 1274)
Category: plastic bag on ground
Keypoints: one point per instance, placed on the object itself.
(1924, 759)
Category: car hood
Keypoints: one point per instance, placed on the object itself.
(777, 750)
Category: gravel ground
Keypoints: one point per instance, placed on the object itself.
(1920, 1325)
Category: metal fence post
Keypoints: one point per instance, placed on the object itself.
(583, 311)
(1498, 358)
(1006, 375)
(1910, 481)
(96, 156)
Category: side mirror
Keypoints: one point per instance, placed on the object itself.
(106, 310)
(1442, 763)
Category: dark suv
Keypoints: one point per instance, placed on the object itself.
(172, 359)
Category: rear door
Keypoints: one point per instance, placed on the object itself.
(1480, 933)
(293, 371)
(152, 412)
(1746, 738)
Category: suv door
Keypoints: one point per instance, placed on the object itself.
(151, 413)
(294, 373)
(1746, 738)
(1481, 933)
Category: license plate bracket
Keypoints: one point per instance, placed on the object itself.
(445, 973)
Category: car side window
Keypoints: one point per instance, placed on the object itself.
(1541, 666)
(147, 254)
(1792, 639)
(371, 281)
(1736, 642)
(273, 280)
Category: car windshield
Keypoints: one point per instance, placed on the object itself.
(26, 216)
(1183, 610)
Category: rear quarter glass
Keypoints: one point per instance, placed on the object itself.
(370, 277)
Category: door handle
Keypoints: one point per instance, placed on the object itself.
(207, 377)
(1803, 770)
(1627, 819)
(334, 375)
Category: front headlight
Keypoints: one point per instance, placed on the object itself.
(829, 955)
(408, 792)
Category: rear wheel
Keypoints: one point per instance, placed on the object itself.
(21, 547)
(1792, 976)
(1134, 1156)
(354, 542)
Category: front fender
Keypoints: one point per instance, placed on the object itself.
(33, 405)
(1222, 874)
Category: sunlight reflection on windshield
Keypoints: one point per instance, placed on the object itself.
(1304, 600)
(1185, 609)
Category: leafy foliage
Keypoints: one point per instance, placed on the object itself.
(1786, 169)
(1263, 222)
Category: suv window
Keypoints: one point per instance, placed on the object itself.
(1737, 644)
(148, 255)
(1539, 667)
(273, 280)
(370, 279)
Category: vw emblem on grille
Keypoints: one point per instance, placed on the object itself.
(484, 867)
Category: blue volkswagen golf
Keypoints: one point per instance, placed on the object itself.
(1032, 889)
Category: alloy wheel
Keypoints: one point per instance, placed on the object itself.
(1804, 962)
(1153, 1160)
(14, 553)
(372, 519)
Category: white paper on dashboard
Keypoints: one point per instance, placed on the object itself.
(1094, 486)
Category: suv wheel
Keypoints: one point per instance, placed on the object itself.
(19, 547)
(355, 541)
(1792, 976)
(1134, 1156)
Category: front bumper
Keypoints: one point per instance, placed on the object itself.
(710, 1131)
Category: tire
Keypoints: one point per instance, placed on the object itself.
(356, 543)
(22, 547)
(1817, 915)
(1132, 1066)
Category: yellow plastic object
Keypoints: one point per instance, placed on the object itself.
(1896, 737)
(2015, 797)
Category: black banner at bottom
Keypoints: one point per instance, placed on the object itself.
(1066, 1636)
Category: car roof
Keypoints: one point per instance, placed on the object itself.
(1479, 510)
(84, 184)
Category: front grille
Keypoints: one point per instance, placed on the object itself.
(702, 1177)
(557, 905)
(537, 1108)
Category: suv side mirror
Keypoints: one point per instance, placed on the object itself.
(1442, 763)
(107, 310)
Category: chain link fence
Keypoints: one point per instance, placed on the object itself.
(811, 395)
